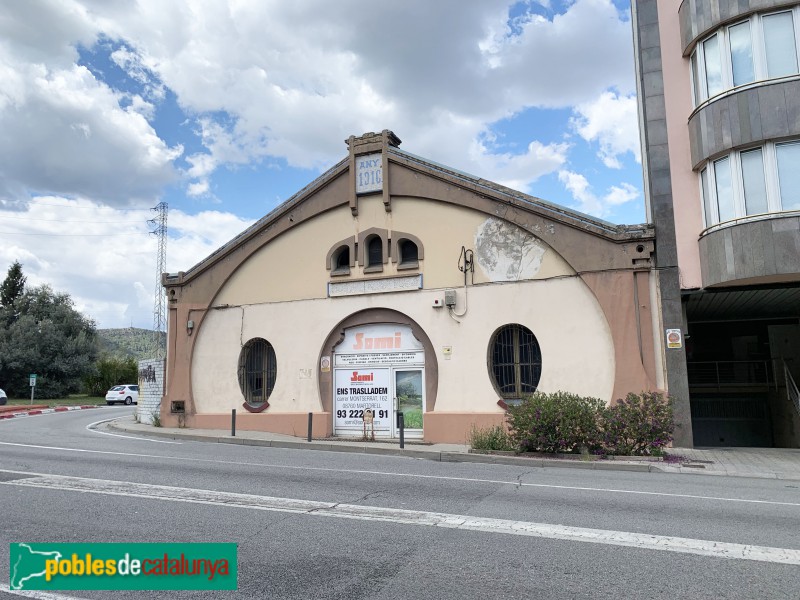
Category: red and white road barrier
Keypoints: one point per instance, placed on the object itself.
(43, 411)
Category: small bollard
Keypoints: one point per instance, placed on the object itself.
(402, 425)
(310, 424)
(233, 422)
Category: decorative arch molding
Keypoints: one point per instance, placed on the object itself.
(368, 317)
(350, 244)
(363, 240)
(398, 237)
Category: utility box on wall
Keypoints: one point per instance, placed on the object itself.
(450, 298)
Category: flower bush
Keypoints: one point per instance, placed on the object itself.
(641, 424)
(556, 422)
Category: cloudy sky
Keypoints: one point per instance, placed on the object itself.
(223, 109)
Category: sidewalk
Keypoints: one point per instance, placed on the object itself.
(770, 463)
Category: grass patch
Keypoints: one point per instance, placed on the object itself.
(412, 419)
(491, 438)
(71, 400)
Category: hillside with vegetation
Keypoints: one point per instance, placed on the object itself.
(127, 342)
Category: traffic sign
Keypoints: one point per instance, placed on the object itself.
(33, 379)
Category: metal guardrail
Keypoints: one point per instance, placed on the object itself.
(718, 374)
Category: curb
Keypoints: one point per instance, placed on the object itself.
(439, 456)
(463, 457)
(45, 411)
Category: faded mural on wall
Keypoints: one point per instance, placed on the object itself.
(506, 252)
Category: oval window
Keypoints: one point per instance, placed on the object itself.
(257, 372)
(515, 361)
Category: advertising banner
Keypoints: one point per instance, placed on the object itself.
(379, 344)
(356, 390)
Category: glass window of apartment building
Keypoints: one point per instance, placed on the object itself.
(752, 182)
(789, 175)
(760, 48)
(741, 53)
(780, 45)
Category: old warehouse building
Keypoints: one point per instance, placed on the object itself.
(397, 284)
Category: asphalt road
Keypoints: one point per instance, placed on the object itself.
(395, 527)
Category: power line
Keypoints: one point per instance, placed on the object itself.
(76, 234)
(68, 221)
(89, 207)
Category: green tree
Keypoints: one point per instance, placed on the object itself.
(110, 371)
(47, 336)
(13, 286)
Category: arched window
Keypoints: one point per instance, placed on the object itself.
(341, 261)
(374, 251)
(515, 361)
(409, 254)
(257, 372)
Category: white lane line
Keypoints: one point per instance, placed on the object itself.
(642, 541)
(91, 427)
(408, 475)
(36, 595)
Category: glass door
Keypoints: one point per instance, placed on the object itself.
(409, 393)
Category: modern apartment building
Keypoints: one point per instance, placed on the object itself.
(719, 105)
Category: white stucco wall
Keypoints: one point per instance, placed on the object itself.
(577, 350)
(280, 294)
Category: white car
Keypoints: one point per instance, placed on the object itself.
(125, 394)
(3, 398)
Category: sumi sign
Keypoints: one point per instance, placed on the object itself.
(359, 391)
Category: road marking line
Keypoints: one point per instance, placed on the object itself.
(642, 541)
(36, 595)
(90, 427)
(514, 482)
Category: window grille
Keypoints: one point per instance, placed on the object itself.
(342, 264)
(257, 371)
(408, 252)
(516, 361)
(374, 252)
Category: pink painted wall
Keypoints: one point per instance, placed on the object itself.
(685, 182)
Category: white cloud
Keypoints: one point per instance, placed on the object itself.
(63, 131)
(591, 203)
(611, 120)
(198, 188)
(268, 81)
(295, 92)
(105, 258)
(517, 171)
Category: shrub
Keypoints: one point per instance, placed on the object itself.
(491, 438)
(640, 424)
(557, 422)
